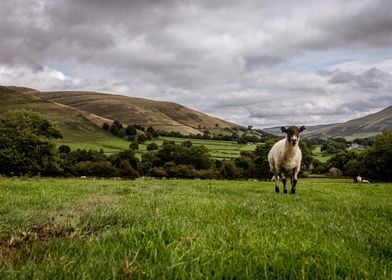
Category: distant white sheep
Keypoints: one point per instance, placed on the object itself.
(360, 180)
(285, 158)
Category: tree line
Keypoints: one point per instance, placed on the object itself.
(27, 148)
(139, 134)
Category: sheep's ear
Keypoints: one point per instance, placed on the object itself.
(302, 128)
(283, 129)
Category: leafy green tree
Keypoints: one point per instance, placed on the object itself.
(134, 145)
(130, 130)
(187, 144)
(152, 132)
(152, 147)
(340, 160)
(141, 138)
(378, 159)
(261, 160)
(64, 149)
(25, 144)
(128, 155)
(353, 168)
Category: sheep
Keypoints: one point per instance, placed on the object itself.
(285, 158)
(360, 180)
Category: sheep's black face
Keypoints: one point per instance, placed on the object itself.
(293, 133)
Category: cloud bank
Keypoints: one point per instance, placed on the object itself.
(260, 63)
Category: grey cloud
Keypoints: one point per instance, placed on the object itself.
(370, 79)
(215, 56)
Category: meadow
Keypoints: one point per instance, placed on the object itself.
(218, 149)
(194, 229)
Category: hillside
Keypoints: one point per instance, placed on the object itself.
(276, 130)
(74, 124)
(80, 115)
(361, 127)
(167, 116)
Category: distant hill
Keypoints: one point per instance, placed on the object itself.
(74, 124)
(366, 126)
(276, 130)
(362, 127)
(80, 115)
(162, 115)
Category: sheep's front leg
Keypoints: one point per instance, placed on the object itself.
(284, 183)
(294, 179)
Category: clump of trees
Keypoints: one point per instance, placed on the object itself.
(26, 145)
(374, 162)
(135, 132)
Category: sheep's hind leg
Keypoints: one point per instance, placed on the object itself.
(276, 180)
(284, 183)
(294, 179)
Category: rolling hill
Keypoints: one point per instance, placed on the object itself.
(162, 115)
(74, 124)
(366, 126)
(80, 115)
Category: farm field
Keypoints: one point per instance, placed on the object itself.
(218, 149)
(317, 154)
(101, 229)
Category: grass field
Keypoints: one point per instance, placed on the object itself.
(193, 229)
(317, 154)
(218, 149)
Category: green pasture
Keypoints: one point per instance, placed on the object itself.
(218, 149)
(317, 154)
(193, 229)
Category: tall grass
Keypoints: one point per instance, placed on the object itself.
(93, 229)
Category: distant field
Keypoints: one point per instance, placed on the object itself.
(218, 149)
(317, 154)
(101, 229)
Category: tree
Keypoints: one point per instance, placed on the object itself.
(261, 160)
(134, 145)
(130, 130)
(25, 144)
(105, 126)
(187, 144)
(141, 138)
(377, 160)
(152, 147)
(64, 149)
(340, 160)
(128, 155)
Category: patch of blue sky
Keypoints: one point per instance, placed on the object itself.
(314, 61)
(67, 67)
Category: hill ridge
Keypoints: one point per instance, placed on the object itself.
(365, 126)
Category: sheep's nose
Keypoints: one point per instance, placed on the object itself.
(294, 141)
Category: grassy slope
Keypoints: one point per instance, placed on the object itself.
(129, 110)
(75, 125)
(82, 129)
(186, 229)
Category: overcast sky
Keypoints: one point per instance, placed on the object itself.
(254, 62)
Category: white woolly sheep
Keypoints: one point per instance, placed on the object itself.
(285, 158)
(360, 180)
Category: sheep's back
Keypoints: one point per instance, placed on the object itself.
(279, 160)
